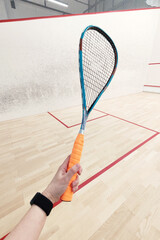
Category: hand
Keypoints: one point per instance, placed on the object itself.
(61, 180)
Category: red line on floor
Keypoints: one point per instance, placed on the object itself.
(153, 63)
(58, 120)
(88, 121)
(4, 237)
(106, 114)
(107, 168)
(115, 162)
(127, 121)
(111, 165)
(151, 86)
(76, 123)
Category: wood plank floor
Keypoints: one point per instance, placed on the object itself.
(123, 203)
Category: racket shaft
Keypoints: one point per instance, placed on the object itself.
(74, 159)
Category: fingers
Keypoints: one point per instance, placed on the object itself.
(65, 163)
(80, 170)
(72, 171)
(75, 169)
(75, 184)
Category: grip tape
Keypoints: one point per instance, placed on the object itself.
(74, 159)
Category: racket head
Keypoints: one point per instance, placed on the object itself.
(98, 58)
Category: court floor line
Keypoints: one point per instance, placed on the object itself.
(88, 120)
(76, 123)
(4, 236)
(128, 121)
(152, 86)
(107, 168)
(153, 63)
(112, 164)
(58, 120)
(106, 114)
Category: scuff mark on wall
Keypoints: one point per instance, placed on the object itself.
(30, 92)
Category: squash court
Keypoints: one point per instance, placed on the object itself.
(119, 192)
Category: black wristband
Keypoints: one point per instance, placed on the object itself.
(41, 201)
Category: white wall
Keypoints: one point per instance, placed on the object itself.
(153, 76)
(39, 69)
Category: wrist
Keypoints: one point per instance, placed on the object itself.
(42, 202)
(48, 195)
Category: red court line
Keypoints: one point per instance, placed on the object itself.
(88, 120)
(106, 114)
(107, 168)
(153, 63)
(127, 121)
(76, 123)
(58, 120)
(111, 165)
(4, 237)
(115, 162)
(151, 86)
(80, 14)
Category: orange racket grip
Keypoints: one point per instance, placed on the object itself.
(74, 159)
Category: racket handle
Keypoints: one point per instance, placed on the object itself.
(74, 159)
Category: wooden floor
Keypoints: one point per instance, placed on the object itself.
(123, 203)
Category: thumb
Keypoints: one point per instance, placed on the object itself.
(72, 171)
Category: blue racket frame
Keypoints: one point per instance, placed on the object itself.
(86, 113)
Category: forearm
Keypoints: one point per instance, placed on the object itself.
(30, 226)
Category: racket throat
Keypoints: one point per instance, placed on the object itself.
(81, 131)
(83, 124)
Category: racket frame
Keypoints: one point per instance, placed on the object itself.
(86, 113)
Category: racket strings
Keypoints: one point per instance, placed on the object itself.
(98, 64)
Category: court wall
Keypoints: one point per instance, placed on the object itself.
(152, 83)
(39, 69)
